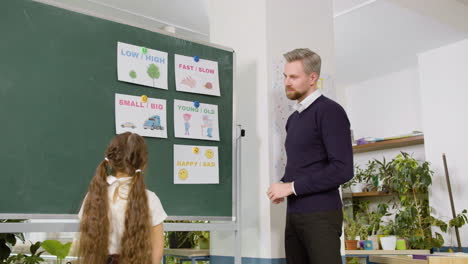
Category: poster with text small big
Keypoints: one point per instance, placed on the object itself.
(141, 115)
(141, 65)
(195, 75)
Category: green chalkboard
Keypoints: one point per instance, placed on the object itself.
(58, 77)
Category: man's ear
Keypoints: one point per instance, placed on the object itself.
(313, 77)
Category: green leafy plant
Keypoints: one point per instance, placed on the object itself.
(460, 220)
(33, 258)
(8, 240)
(411, 181)
(57, 249)
(354, 228)
(153, 72)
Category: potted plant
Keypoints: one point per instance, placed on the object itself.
(56, 248)
(388, 238)
(352, 229)
(8, 240)
(411, 181)
(33, 258)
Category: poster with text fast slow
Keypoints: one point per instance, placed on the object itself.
(141, 115)
(195, 122)
(142, 65)
(194, 75)
(196, 165)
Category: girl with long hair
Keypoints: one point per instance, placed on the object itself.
(121, 221)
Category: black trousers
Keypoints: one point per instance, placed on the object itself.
(314, 238)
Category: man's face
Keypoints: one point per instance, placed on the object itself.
(297, 83)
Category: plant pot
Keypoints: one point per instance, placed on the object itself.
(357, 187)
(375, 242)
(351, 244)
(203, 243)
(401, 244)
(368, 245)
(388, 243)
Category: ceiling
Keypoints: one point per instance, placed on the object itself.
(372, 37)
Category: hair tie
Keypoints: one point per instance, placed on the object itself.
(106, 159)
(136, 171)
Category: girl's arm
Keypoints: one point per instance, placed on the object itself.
(157, 242)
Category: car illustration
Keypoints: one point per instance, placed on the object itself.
(153, 122)
(128, 124)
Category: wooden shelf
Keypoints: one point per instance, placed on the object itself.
(388, 144)
(388, 252)
(370, 194)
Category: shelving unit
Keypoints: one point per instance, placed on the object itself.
(388, 144)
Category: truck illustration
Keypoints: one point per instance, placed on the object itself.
(153, 122)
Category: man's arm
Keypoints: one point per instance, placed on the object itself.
(336, 136)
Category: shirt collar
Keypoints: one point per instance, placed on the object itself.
(112, 179)
(299, 107)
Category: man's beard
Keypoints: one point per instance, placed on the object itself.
(294, 95)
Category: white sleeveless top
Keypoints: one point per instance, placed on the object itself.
(118, 191)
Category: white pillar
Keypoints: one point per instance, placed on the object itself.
(260, 32)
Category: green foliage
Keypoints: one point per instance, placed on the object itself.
(132, 74)
(33, 258)
(8, 240)
(460, 220)
(57, 249)
(153, 72)
(354, 228)
(409, 180)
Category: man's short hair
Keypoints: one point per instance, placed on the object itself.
(310, 60)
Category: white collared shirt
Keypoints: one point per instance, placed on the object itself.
(118, 191)
(299, 107)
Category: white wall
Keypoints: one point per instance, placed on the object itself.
(444, 96)
(385, 106)
(260, 32)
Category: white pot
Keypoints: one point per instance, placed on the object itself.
(357, 187)
(388, 243)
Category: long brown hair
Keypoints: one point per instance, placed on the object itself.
(126, 153)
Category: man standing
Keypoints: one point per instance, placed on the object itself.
(319, 159)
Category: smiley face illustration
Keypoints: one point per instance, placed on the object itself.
(195, 150)
(209, 153)
(183, 174)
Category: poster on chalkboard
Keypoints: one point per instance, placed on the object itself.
(196, 120)
(195, 75)
(141, 65)
(196, 164)
(142, 115)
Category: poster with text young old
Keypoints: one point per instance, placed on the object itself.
(196, 120)
(196, 165)
(141, 115)
(195, 75)
(141, 65)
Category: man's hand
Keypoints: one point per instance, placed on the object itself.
(278, 191)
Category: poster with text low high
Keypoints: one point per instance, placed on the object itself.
(195, 75)
(196, 120)
(196, 164)
(140, 114)
(142, 65)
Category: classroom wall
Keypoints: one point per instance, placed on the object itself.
(443, 88)
(259, 36)
(385, 106)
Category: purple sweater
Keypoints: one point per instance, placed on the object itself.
(319, 156)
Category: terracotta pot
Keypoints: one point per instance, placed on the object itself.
(351, 244)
